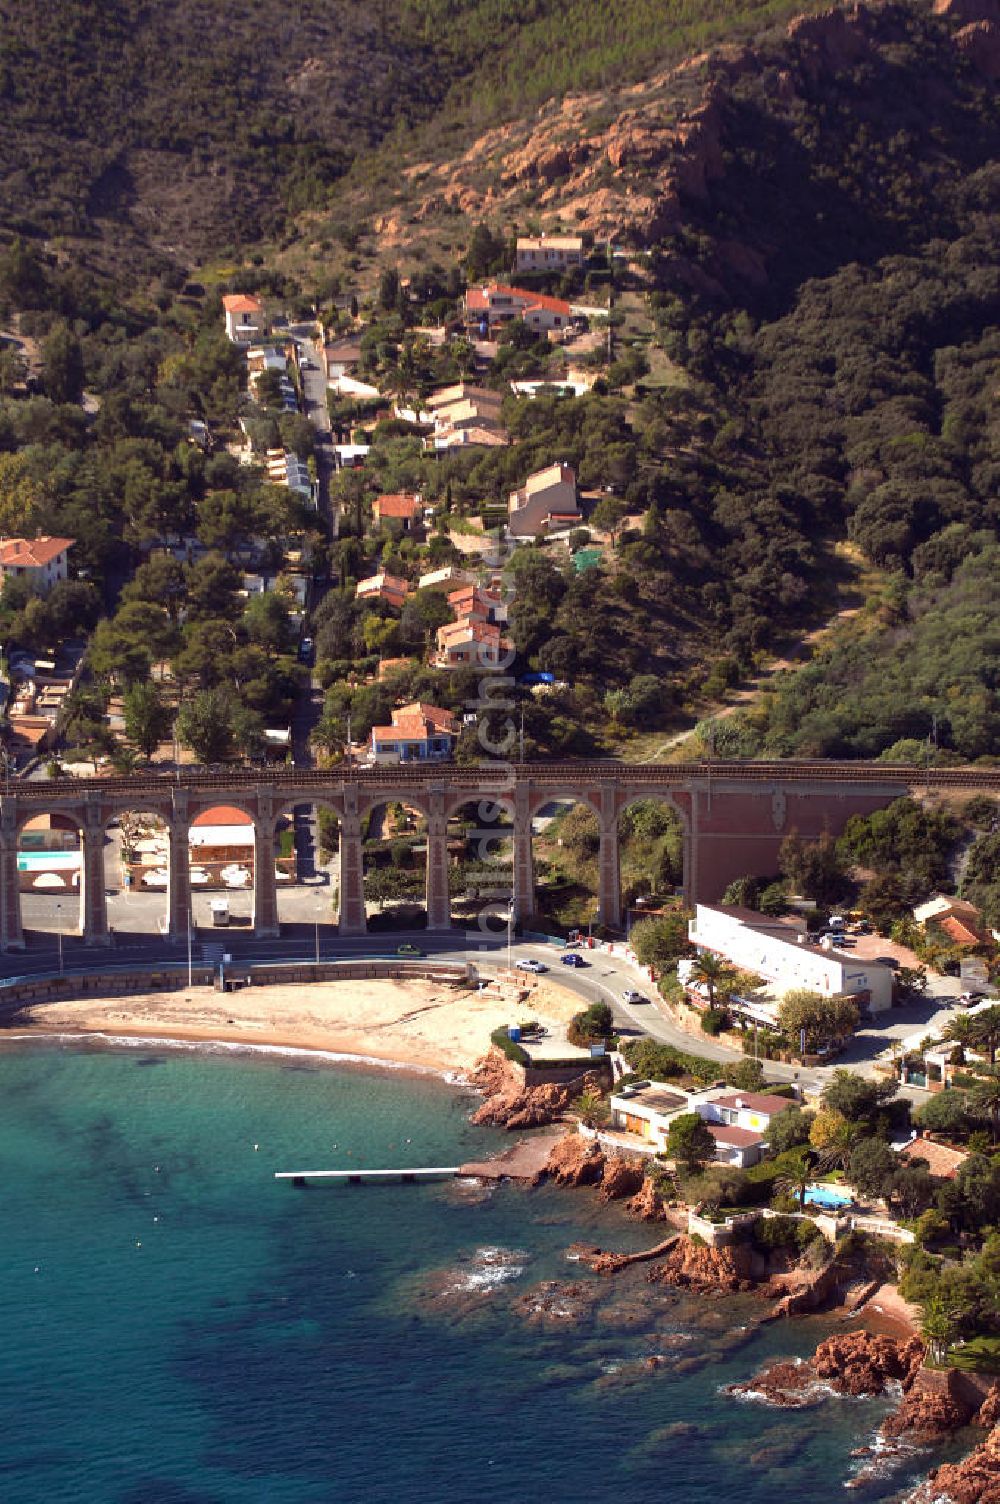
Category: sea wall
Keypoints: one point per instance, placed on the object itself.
(25, 992)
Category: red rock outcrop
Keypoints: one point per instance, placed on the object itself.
(832, 39)
(974, 1480)
(925, 1416)
(647, 1204)
(575, 1161)
(698, 1267)
(510, 1104)
(854, 1363)
(622, 1177)
(860, 1363)
(988, 1414)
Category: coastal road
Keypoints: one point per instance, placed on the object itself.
(607, 974)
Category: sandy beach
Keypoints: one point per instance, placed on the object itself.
(889, 1313)
(418, 1023)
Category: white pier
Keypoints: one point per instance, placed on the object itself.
(355, 1177)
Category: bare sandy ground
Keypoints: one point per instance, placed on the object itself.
(888, 1312)
(419, 1023)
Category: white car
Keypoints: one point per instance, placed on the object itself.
(631, 996)
(529, 965)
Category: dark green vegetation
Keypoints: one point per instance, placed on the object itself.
(825, 298)
(198, 125)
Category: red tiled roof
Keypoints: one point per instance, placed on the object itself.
(738, 1138)
(32, 553)
(222, 814)
(238, 302)
(755, 1101)
(397, 506)
(960, 933)
(477, 299)
(440, 719)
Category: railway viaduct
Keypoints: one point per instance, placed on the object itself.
(734, 817)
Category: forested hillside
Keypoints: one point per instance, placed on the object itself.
(804, 327)
(183, 129)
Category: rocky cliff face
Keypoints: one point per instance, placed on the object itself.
(510, 1104)
(974, 1480)
(854, 1363)
(695, 1266)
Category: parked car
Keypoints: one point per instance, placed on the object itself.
(305, 649)
(529, 965)
(631, 996)
(406, 949)
(573, 959)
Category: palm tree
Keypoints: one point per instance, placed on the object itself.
(937, 1326)
(797, 1180)
(962, 1031)
(987, 1031)
(842, 1140)
(985, 1098)
(714, 972)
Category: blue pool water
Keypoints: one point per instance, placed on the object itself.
(179, 1328)
(831, 1197)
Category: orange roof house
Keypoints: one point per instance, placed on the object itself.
(245, 321)
(41, 561)
(403, 510)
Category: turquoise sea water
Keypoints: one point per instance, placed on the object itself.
(179, 1328)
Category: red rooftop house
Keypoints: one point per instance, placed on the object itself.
(41, 561)
(419, 733)
(402, 513)
(493, 304)
(245, 321)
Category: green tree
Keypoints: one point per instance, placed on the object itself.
(660, 942)
(147, 718)
(788, 1130)
(823, 1019)
(984, 1099)
(205, 724)
(62, 356)
(690, 1143)
(937, 1326)
(987, 1031)
(855, 1097)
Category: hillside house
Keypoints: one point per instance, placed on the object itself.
(286, 469)
(474, 603)
(384, 587)
(447, 580)
(472, 644)
(245, 318)
(548, 253)
(403, 513)
(419, 733)
(736, 1120)
(786, 959)
(956, 918)
(41, 561)
(547, 499)
(490, 306)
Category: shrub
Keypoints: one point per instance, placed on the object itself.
(714, 1020)
(509, 1046)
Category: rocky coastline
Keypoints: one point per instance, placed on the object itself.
(934, 1406)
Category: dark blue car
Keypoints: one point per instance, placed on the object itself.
(572, 958)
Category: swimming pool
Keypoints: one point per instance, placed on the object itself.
(47, 861)
(830, 1197)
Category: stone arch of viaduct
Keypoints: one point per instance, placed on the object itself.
(734, 818)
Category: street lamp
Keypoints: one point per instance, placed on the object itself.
(59, 937)
(510, 930)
